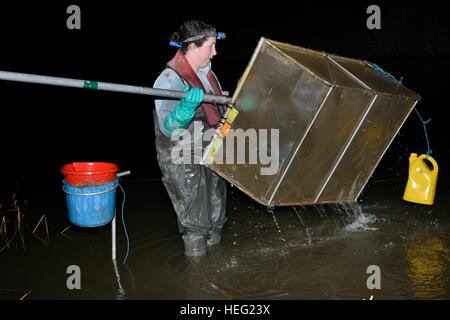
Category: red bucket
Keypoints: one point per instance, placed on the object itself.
(85, 174)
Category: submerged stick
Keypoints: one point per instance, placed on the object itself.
(37, 225)
(43, 218)
(19, 227)
(26, 294)
(62, 232)
(224, 292)
(3, 228)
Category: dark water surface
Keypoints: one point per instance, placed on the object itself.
(311, 252)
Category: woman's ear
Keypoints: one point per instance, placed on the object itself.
(191, 46)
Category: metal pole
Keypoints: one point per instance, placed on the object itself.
(106, 86)
(113, 239)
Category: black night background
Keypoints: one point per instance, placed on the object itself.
(44, 127)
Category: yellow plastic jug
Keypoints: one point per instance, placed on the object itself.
(421, 185)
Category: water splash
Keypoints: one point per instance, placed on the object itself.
(275, 222)
(358, 220)
(361, 223)
(271, 210)
(307, 229)
(231, 263)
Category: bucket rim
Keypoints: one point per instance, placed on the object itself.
(68, 169)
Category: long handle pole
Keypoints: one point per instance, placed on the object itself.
(113, 237)
(105, 86)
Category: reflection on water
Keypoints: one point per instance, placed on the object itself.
(121, 294)
(428, 259)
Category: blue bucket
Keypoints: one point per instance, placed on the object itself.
(91, 206)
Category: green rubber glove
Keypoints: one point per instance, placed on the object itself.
(184, 112)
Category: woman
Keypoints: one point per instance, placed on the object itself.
(198, 195)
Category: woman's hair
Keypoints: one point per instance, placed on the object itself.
(192, 31)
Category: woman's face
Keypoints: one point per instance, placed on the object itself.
(201, 56)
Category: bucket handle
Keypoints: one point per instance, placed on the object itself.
(90, 194)
(123, 173)
(431, 159)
